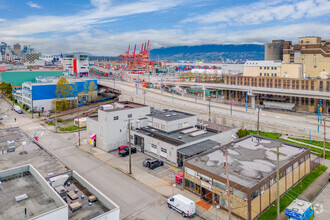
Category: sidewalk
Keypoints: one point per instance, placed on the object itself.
(163, 187)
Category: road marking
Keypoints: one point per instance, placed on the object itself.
(175, 169)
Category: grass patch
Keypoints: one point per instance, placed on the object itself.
(277, 136)
(292, 194)
(313, 142)
(50, 123)
(71, 128)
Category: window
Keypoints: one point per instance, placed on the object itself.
(154, 146)
(265, 187)
(261, 68)
(307, 157)
(275, 68)
(223, 202)
(272, 74)
(272, 68)
(301, 160)
(129, 116)
(115, 117)
(288, 170)
(264, 68)
(238, 193)
(275, 73)
(260, 74)
(205, 178)
(295, 165)
(272, 181)
(267, 74)
(220, 185)
(190, 171)
(264, 74)
(254, 194)
(268, 67)
(282, 174)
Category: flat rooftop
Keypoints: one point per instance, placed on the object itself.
(250, 159)
(176, 138)
(199, 147)
(30, 153)
(124, 105)
(170, 115)
(38, 201)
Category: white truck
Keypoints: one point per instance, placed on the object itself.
(182, 204)
(18, 109)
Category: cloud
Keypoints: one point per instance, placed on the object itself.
(2, 19)
(261, 12)
(104, 12)
(33, 5)
(113, 44)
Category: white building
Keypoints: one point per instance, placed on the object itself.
(76, 64)
(173, 136)
(110, 127)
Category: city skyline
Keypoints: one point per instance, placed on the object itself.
(104, 27)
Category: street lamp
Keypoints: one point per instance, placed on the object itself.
(259, 109)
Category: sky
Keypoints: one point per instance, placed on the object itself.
(107, 27)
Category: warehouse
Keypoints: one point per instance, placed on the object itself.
(174, 136)
(252, 174)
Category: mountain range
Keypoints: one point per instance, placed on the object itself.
(229, 53)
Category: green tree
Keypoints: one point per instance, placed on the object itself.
(6, 87)
(63, 90)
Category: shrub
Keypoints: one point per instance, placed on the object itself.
(242, 133)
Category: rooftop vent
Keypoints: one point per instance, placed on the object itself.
(167, 115)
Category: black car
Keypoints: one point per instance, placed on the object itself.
(152, 164)
(125, 151)
(145, 163)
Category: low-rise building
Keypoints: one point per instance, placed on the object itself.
(109, 129)
(252, 174)
(273, 68)
(42, 94)
(174, 136)
(25, 194)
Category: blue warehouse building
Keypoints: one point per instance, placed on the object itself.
(42, 94)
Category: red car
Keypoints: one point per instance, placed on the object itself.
(178, 178)
(122, 148)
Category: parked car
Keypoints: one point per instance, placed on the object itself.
(120, 148)
(125, 151)
(178, 178)
(152, 164)
(18, 109)
(145, 163)
(1, 117)
(182, 204)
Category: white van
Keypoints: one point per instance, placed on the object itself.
(182, 204)
(18, 109)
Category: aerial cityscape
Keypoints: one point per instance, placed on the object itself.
(147, 110)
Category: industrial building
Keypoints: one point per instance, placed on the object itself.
(25, 194)
(16, 78)
(270, 68)
(251, 171)
(174, 136)
(274, 50)
(109, 129)
(300, 103)
(42, 94)
(76, 64)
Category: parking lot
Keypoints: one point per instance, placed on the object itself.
(166, 172)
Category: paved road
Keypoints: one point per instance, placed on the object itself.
(136, 201)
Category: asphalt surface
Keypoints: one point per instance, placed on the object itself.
(136, 200)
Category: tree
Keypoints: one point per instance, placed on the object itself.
(91, 89)
(63, 90)
(6, 87)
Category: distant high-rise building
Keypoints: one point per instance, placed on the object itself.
(3, 47)
(17, 49)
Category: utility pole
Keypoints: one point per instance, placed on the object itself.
(129, 149)
(277, 152)
(324, 139)
(144, 97)
(55, 118)
(210, 109)
(78, 120)
(258, 122)
(32, 101)
(228, 187)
